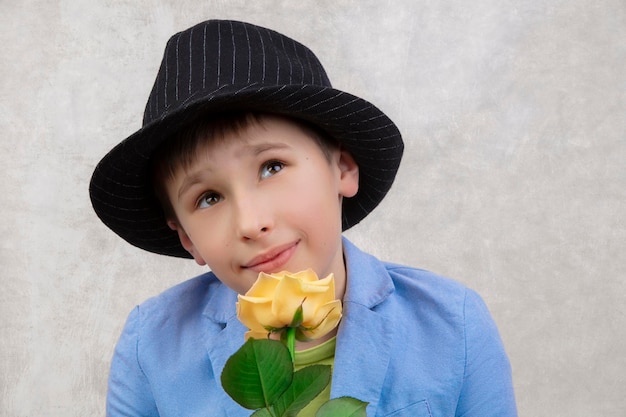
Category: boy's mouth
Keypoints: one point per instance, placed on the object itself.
(272, 260)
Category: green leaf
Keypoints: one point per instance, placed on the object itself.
(258, 373)
(343, 407)
(306, 385)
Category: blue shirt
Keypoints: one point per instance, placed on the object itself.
(410, 343)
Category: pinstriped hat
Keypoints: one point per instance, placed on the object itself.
(221, 65)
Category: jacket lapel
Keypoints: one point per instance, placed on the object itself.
(221, 345)
(366, 334)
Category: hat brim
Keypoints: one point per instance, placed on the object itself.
(121, 190)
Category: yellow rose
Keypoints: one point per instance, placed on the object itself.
(274, 299)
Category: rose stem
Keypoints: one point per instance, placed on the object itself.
(291, 342)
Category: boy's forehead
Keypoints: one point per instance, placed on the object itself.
(243, 146)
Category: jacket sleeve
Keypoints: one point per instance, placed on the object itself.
(487, 388)
(129, 392)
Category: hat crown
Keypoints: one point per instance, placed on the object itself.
(221, 53)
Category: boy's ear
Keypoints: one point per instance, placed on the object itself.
(185, 241)
(349, 180)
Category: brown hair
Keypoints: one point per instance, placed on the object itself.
(180, 151)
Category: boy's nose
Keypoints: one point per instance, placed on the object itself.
(252, 219)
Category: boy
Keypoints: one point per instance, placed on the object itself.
(249, 161)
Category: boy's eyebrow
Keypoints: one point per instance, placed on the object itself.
(254, 150)
(187, 183)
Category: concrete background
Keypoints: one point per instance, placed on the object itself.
(514, 179)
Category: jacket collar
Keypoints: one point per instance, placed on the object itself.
(369, 283)
(220, 345)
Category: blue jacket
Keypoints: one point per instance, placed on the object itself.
(410, 343)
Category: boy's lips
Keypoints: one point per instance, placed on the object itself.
(273, 259)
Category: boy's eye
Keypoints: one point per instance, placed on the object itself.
(208, 199)
(271, 168)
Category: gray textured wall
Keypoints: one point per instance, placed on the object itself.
(513, 182)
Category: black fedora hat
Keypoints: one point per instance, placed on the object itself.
(221, 65)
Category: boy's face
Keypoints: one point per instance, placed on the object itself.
(264, 199)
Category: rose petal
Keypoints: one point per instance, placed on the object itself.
(287, 298)
(308, 275)
(264, 285)
(316, 298)
(256, 313)
(329, 316)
